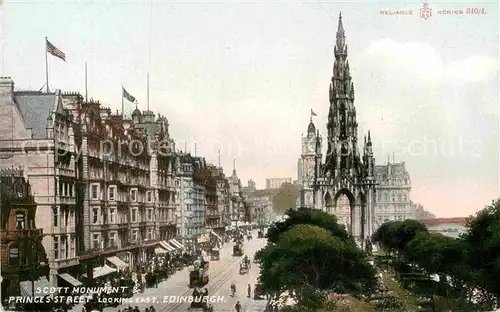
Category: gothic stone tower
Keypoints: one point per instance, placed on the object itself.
(311, 150)
(345, 172)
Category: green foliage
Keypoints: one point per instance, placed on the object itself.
(285, 198)
(467, 267)
(309, 256)
(308, 216)
(435, 253)
(396, 235)
(482, 243)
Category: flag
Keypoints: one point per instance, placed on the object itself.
(55, 51)
(127, 95)
(313, 113)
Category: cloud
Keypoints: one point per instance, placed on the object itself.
(440, 116)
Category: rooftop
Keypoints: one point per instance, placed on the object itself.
(438, 221)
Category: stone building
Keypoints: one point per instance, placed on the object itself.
(393, 193)
(239, 211)
(275, 183)
(193, 200)
(346, 175)
(112, 181)
(361, 194)
(37, 134)
(23, 258)
(219, 223)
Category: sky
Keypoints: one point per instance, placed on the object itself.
(241, 77)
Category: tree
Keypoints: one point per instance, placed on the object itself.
(396, 235)
(312, 217)
(482, 243)
(285, 198)
(309, 256)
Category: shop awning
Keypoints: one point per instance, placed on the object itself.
(159, 251)
(165, 245)
(203, 239)
(117, 262)
(27, 291)
(70, 279)
(103, 271)
(175, 243)
(216, 236)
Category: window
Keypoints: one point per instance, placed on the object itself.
(134, 215)
(56, 248)
(133, 195)
(112, 192)
(95, 215)
(150, 197)
(95, 191)
(14, 255)
(55, 215)
(63, 247)
(71, 190)
(20, 221)
(150, 234)
(404, 197)
(60, 188)
(150, 214)
(96, 241)
(112, 215)
(134, 235)
(112, 239)
(72, 247)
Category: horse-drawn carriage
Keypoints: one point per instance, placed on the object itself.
(238, 250)
(215, 254)
(199, 304)
(198, 274)
(244, 267)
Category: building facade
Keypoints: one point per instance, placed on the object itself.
(37, 134)
(22, 254)
(393, 190)
(105, 186)
(275, 183)
(345, 174)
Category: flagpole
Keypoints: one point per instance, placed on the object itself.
(86, 82)
(148, 92)
(123, 116)
(46, 66)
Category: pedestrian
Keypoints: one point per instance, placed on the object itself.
(249, 290)
(238, 307)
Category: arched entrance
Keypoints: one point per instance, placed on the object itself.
(341, 206)
(343, 211)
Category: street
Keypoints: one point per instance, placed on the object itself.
(222, 274)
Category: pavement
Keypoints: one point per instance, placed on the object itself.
(222, 273)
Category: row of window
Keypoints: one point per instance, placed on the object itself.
(65, 188)
(116, 217)
(98, 242)
(387, 196)
(113, 195)
(64, 247)
(63, 217)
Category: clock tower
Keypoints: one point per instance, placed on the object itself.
(311, 148)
